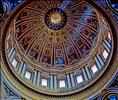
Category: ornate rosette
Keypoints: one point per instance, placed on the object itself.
(55, 18)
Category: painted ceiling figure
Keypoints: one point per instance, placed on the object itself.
(59, 49)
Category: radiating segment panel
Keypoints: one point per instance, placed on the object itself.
(69, 81)
(35, 77)
(38, 78)
(88, 72)
(55, 82)
(84, 74)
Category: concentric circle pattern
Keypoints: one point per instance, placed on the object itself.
(57, 47)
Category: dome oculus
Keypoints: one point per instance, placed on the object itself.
(55, 18)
